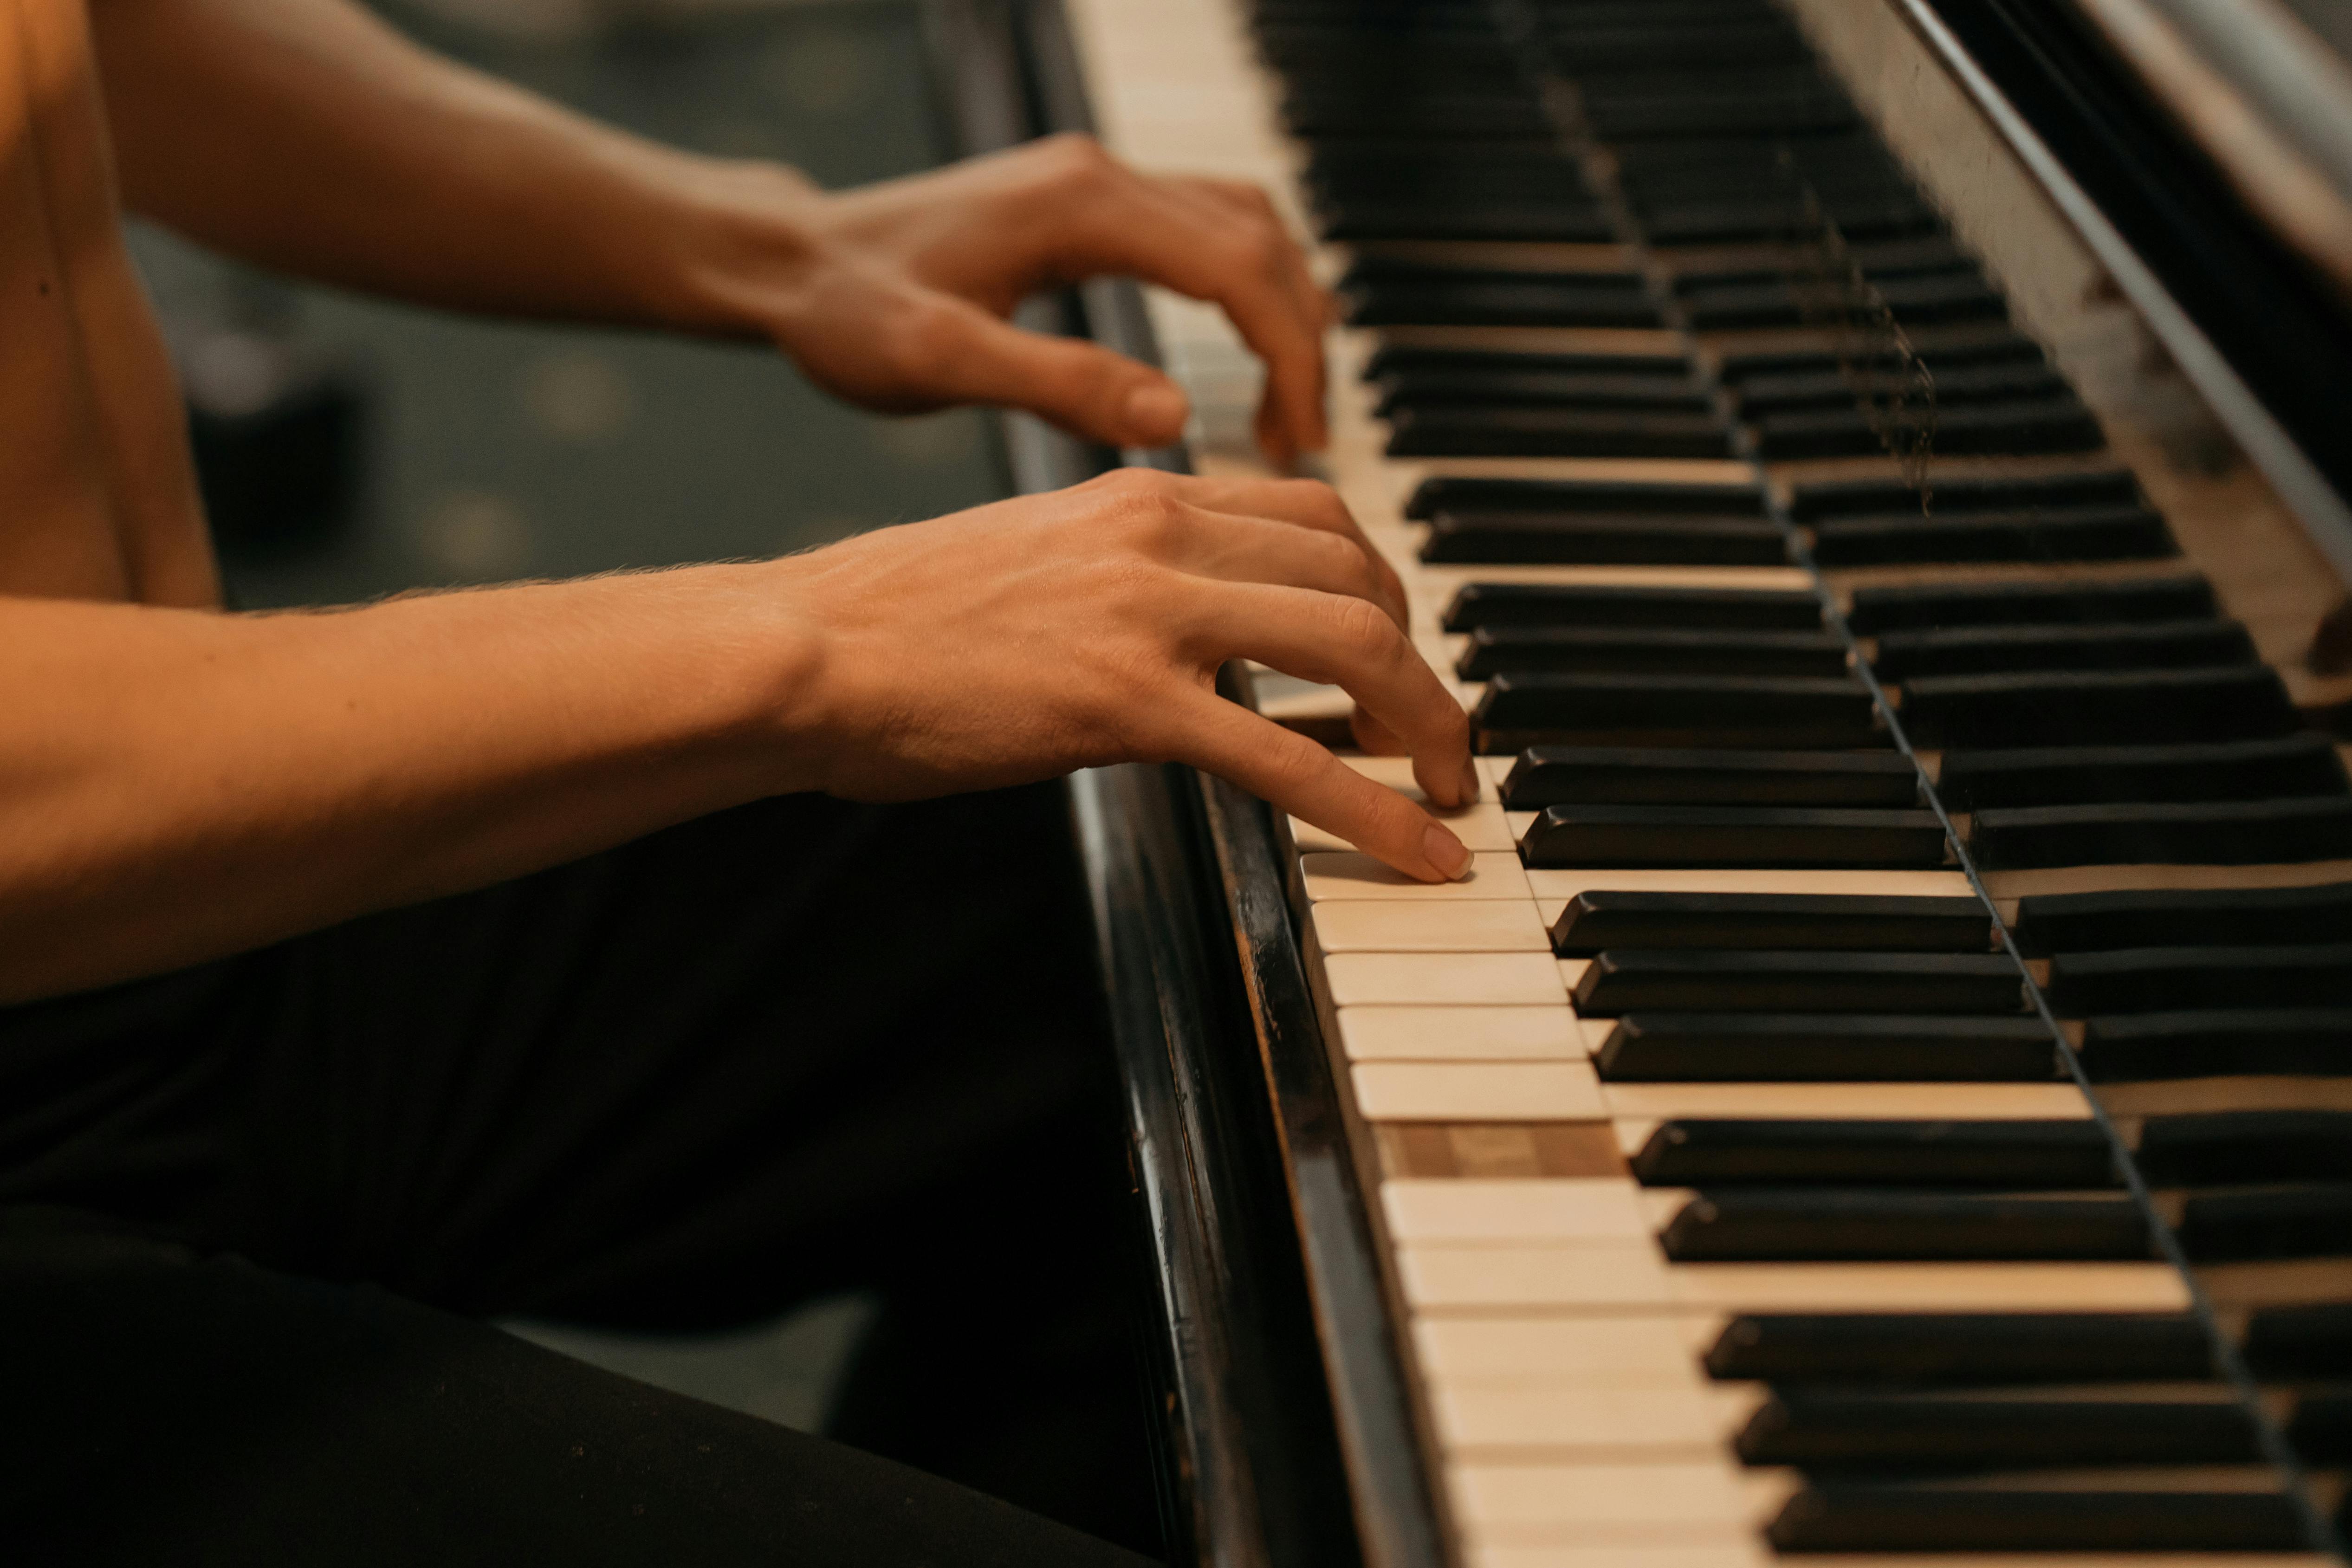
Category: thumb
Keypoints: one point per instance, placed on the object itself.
(1083, 387)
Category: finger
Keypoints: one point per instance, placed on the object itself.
(1345, 642)
(1295, 774)
(1180, 241)
(1250, 203)
(1309, 503)
(1233, 548)
(1372, 737)
(1083, 387)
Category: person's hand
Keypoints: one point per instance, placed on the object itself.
(1022, 639)
(894, 296)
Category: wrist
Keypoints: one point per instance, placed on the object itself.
(746, 237)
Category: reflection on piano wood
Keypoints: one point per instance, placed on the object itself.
(1737, 1191)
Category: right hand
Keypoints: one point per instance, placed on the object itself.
(1020, 640)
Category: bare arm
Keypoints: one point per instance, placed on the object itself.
(308, 136)
(175, 785)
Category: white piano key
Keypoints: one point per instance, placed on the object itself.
(1482, 826)
(1550, 886)
(1355, 876)
(1463, 979)
(1695, 1498)
(2136, 878)
(1603, 1423)
(1552, 1209)
(1600, 1351)
(1477, 1092)
(1461, 1034)
(1453, 1278)
(1476, 925)
(2174, 1097)
(1741, 1553)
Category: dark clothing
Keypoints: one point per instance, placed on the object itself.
(254, 1209)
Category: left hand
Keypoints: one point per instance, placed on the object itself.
(894, 296)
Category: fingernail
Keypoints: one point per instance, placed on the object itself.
(1444, 851)
(1155, 411)
(1469, 782)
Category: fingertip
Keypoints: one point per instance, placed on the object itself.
(1154, 413)
(1445, 854)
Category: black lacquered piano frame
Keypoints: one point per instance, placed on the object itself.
(1288, 1432)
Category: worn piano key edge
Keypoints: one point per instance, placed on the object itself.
(1396, 541)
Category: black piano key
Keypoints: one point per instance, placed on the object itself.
(2120, 534)
(1921, 607)
(1841, 1430)
(1785, 922)
(1506, 430)
(1377, 292)
(2209, 832)
(1678, 711)
(2017, 1156)
(1614, 651)
(2304, 764)
(1624, 980)
(2008, 430)
(1539, 539)
(1465, 493)
(2321, 1428)
(2007, 1517)
(1733, 837)
(2232, 917)
(2301, 1342)
(1413, 359)
(1933, 1349)
(1743, 370)
(2035, 493)
(2219, 1148)
(2175, 979)
(1479, 605)
(1428, 215)
(2098, 708)
(1826, 1047)
(1856, 1225)
(1732, 302)
(1993, 650)
(1835, 388)
(1539, 389)
(2306, 1220)
(2292, 1042)
(1559, 775)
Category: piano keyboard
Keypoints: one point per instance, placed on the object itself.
(1742, 1193)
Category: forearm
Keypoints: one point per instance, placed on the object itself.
(307, 136)
(175, 785)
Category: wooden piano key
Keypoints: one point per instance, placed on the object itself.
(1356, 876)
(1477, 1092)
(1462, 1034)
(1440, 1278)
(1462, 979)
(2162, 1097)
(1380, 925)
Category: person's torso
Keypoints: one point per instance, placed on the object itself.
(98, 499)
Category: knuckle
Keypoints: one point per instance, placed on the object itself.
(1077, 160)
(1362, 629)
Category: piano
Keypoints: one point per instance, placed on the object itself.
(1876, 472)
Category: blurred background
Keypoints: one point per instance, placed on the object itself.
(352, 448)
